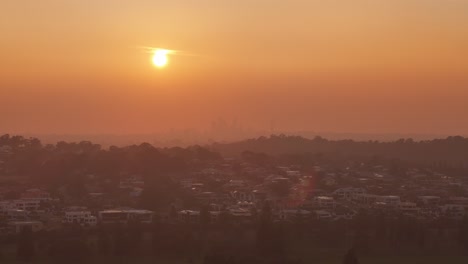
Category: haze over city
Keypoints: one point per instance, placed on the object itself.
(80, 67)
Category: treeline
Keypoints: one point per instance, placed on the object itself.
(204, 242)
(448, 152)
(265, 241)
(71, 164)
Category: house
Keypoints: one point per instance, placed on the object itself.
(364, 199)
(189, 216)
(242, 196)
(259, 196)
(343, 213)
(348, 193)
(322, 215)
(292, 214)
(429, 212)
(84, 218)
(18, 226)
(27, 204)
(5, 151)
(235, 184)
(324, 202)
(6, 206)
(240, 214)
(454, 211)
(429, 201)
(16, 215)
(329, 180)
(125, 216)
(458, 200)
(136, 192)
(131, 182)
(390, 200)
(186, 183)
(409, 208)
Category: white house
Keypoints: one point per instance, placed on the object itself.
(84, 218)
(243, 196)
(189, 216)
(390, 200)
(324, 202)
(23, 204)
(27, 204)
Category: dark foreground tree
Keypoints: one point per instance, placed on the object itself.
(120, 243)
(73, 250)
(104, 242)
(25, 249)
(350, 257)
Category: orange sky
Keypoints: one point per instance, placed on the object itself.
(344, 66)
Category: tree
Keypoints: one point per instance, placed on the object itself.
(70, 249)
(76, 187)
(224, 216)
(134, 237)
(281, 188)
(205, 216)
(120, 243)
(156, 240)
(380, 228)
(350, 257)
(173, 215)
(361, 236)
(265, 232)
(104, 243)
(463, 234)
(25, 250)
(299, 222)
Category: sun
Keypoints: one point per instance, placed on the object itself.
(160, 57)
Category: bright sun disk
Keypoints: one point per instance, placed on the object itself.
(160, 58)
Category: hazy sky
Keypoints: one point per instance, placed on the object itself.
(373, 66)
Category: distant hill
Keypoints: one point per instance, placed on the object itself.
(451, 150)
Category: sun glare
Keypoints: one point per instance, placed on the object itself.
(160, 57)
